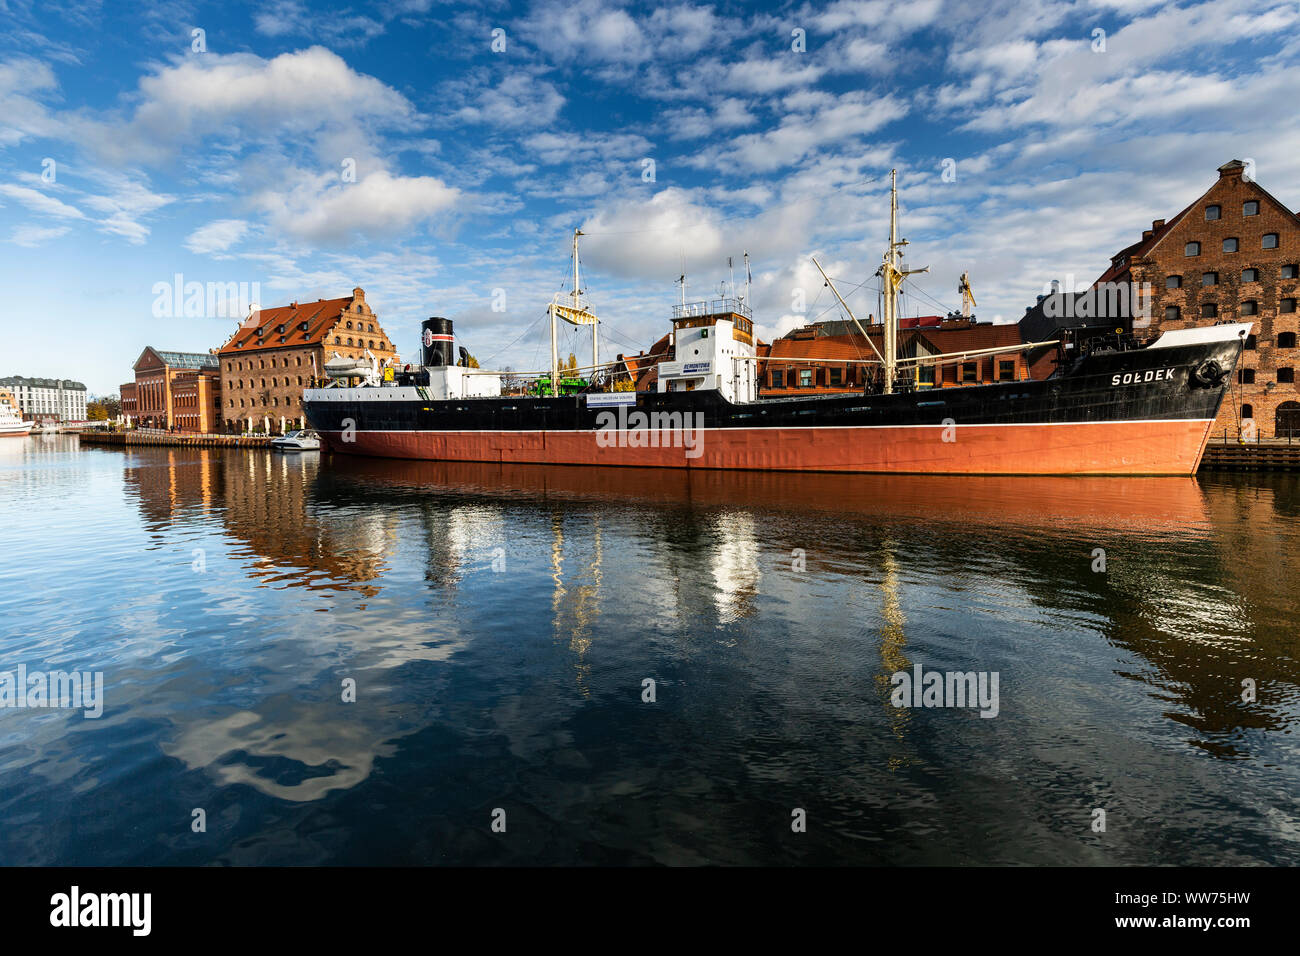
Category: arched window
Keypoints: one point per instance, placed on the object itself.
(349, 325)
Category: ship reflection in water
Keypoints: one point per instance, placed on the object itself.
(500, 624)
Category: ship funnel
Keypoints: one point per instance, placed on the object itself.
(436, 341)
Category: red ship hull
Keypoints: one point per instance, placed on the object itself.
(1160, 447)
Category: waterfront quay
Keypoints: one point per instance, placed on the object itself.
(146, 436)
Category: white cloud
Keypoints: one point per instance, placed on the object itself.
(379, 205)
(518, 100)
(36, 235)
(216, 236)
(40, 202)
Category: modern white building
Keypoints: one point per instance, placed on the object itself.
(57, 399)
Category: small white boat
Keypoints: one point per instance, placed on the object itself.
(12, 424)
(297, 441)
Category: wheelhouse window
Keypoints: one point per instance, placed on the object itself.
(1006, 370)
(778, 380)
(836, 376)
(969, 372)
(805, 378)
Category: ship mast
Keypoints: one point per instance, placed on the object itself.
(574, 314)
(891, 280)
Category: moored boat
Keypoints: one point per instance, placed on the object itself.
(11, 422)
(1111, 408)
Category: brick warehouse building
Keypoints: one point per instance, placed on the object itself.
(1232, 255)
(275, 353)
(173, 390)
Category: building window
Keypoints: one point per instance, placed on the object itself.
(349, 326)
(1286, 306)
(1270, 240)
(370, 327)
(1006, 370)
(805, 378)
(1250, 208)
(337, 340)
(1290, 271)
(969, 372)
(1172, 313)
(1249, 275)
(777, 379)
(1173, 282)
(1212, 213)
(1209, 278)
(1250, 343)
(1250, 307)
(1192, 249)
(1209, 311)
(1286, 375)
(1245, 376)
(1286, 340)
(1229, 245)
(1247, 411)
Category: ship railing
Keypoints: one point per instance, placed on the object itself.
(712, 307)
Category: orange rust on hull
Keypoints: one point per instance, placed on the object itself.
(1103, 448)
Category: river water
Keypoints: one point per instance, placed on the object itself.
(309, 659)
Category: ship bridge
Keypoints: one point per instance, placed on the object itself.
(713, 347)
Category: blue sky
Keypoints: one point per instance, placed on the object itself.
(389, 145)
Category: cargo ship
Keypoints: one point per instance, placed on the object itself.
(1112, 407)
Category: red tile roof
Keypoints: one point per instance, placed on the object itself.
(320, 316)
